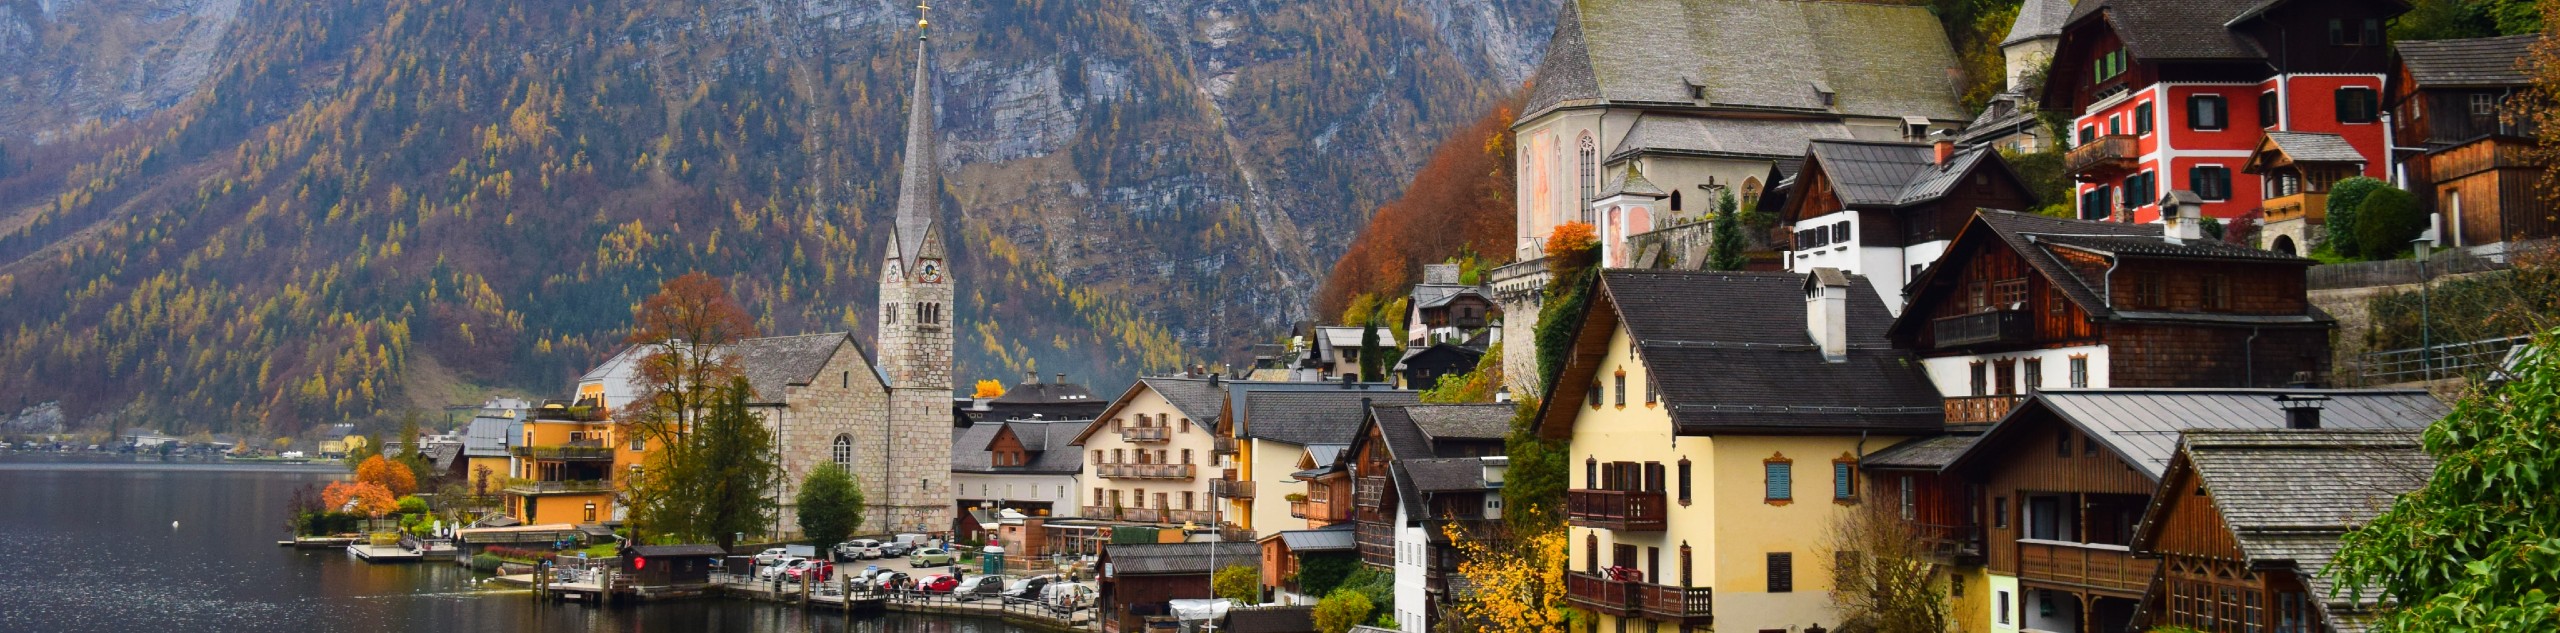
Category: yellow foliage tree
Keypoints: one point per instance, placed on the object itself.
(389, 475)
(989, 388)
(1519, 585)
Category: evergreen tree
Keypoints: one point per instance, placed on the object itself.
(735, 470)
(1373, 365)
(831, 506)
(1725, 249)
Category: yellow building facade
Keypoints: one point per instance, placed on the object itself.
(1714, 448)
(563, 468)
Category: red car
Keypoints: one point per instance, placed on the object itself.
(805, 569)
(937, 583)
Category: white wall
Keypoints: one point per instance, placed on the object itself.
(1954, 374)
(1412, 551)
(1046, 488)
(2003, 586)
(2065, 611)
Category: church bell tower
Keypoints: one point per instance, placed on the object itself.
(915, 345)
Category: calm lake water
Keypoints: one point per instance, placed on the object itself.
(89, 545)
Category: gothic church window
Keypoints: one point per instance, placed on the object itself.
(844, 451)
(1588, 168)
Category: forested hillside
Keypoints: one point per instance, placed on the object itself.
(364, 207)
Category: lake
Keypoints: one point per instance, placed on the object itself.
(89, 544)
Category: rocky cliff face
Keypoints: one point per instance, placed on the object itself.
(271, 210)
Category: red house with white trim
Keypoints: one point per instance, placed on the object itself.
(2179, 94)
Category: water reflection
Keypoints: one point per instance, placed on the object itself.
(89, 546)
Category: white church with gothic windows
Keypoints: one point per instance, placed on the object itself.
(884, 414)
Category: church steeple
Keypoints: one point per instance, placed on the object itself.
(920, 181)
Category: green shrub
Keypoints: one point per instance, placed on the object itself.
(485, 563)
(2386, 221)
(2345, 199)
(1341, 610)
(410, 505)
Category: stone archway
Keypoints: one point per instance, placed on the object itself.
(2283, 244)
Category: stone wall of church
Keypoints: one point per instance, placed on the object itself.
(918, 493)
(846, 400)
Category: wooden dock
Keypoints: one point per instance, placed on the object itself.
(384, 553)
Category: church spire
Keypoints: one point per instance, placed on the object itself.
(920, 181)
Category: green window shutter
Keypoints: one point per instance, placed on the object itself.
(1781, 486)
(1840, 481)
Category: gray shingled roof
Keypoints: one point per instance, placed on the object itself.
(1331, 539)
(2031, 236)
(2006, 114)
(2484, 62)
(1923, 453)
(2309, 147)
(1312, 416)
(2287, 496)
(1630, 181)
(1869, 174)
(2142, 425)
(1157, 559)
(1881, 60)
(1045, 441)
(1463, 474)
(2174, 29)
(1461, 421)
(1194, 396)
(773, 363)
(2038, 19)
(1661, 133)
(1730, 352)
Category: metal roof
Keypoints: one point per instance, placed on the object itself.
(2288, 496)
(1147, 559)
(2142, 426)
(1321, 540)
(2482, 62)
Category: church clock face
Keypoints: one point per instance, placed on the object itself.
(893, 270)
(929, 271)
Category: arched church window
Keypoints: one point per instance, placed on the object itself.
(1675, 199)
(1750, 194)
(891, 311)
(1588, 166)
(844, 452)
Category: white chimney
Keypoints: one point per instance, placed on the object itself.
(2182, 216)
(1826, 312)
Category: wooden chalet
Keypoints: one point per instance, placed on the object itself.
(1286, 553)
(2295, 171)
(2449, 98)
(2024, 302)
(2065, 480)
(1884, 209)
(1417, 469)
(1139, 580)
(2245, 522)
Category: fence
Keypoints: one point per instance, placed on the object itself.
(834, 592)
(2397, 271)
(2439, 361)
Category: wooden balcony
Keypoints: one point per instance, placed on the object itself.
(1145, 434)
(1368, 492)
(1195, 517)
(1661, 603)
(1982, 328)
(1223, 445)
(1377, 543)
(1104, 513)
(1980, 409)
(1298, 509)
(1230, 488)
(1621, 510)
(2094, 566)
(1142, 515)
(2102, 159)
(1961, 544)
(1145, 471)
(526, 487)
(2304, 204)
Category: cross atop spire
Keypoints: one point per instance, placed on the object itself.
(921, 22)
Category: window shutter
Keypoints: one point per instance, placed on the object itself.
(1780, 485)
(1843, 486)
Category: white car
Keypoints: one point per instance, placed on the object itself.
(770, 572)
(861, 548)
(771, 556)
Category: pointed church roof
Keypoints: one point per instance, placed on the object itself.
(920, 180)
(2038, 19)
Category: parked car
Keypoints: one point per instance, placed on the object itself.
(1028, 588)
(1066, 597)
(893, 550)
(810, 569)
(771, 556)
(911, 540)
(769, 572)
(980, 587)
(929, 557)
(887, 580)
(858, 549)
(937, 583)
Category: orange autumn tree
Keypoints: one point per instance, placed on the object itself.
(1458, 202)
(989, 388)
(390, 475)
(1519, 585)
(681, 327)
(371, 499)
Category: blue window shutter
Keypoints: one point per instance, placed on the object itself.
(1840, 480)
(1779, 486)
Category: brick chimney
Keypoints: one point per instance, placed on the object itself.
(1945, 146)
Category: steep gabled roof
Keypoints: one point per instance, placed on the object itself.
(1047, 444)
(1322, 415)
(2142, 426)
(2288, 496)
(2174, 29)
(1885, 175)
(1440, 422)
(1879, 60)
(1196, 398)
(2035, 238)
(2311, 147)
(2038, 19)
(1730, 352)
(2481, 62)
(773, 364)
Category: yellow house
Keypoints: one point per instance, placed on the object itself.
(563, 467)
(1272, 425)
(1715, 420)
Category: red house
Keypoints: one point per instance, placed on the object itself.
(2176, 94)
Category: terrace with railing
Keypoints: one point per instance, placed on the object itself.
(577, 450)
(531, 487)
(1980, 409)
(1146, 471)
(1627, 598)
(1230, 488)
(1622, 510)
(1143, 434)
